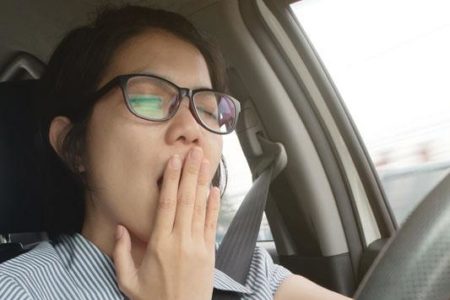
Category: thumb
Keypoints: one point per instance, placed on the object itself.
(125, 268)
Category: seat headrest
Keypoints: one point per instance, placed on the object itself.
(21, 200)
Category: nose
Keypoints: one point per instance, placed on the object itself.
(183, 127)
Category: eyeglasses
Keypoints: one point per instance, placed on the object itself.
(156, 99)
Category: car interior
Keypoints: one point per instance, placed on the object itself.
(327, 211)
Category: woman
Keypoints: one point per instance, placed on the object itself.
(133, 126)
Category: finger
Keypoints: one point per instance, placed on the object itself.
(198, 218)
(212, 214)
(187, 191)
(167, 203)
(123, 261)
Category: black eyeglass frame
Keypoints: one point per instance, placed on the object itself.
(122, 81)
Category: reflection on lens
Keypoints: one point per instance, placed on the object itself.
(150, 106)
(227, 114)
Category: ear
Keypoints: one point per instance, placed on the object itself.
(57, 132)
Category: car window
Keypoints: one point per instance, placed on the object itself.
(389, 60)
(238, 184)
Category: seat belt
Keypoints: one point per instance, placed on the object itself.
(235, 253)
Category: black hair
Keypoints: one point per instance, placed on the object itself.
(73, 74)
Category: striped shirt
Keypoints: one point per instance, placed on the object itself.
(74, 268)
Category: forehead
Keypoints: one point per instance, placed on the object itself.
(160, 53)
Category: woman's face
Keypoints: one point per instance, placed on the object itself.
(126, 156)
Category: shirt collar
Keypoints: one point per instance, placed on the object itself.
(80, 248)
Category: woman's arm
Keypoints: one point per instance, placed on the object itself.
(296, 287)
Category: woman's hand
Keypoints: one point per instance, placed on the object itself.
(180, 255)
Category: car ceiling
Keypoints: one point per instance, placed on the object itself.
(43, 23)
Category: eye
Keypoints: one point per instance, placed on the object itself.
(206, 105)
(208, 112)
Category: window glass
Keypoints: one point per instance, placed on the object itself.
(390, 62)
(239, 183)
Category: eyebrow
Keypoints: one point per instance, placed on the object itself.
(147, 71)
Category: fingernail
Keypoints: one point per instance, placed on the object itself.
(175, 162)
(196, 154)
(119, 232)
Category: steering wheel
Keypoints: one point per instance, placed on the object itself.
(416, 263)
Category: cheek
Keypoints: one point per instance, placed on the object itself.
(121, 172)
(121, 158)
(122, 151)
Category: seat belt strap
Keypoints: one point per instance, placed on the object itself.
(235, 253)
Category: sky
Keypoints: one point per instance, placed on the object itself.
(390, 62)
